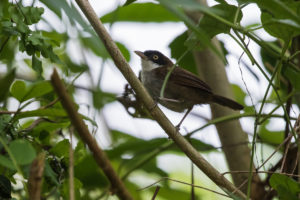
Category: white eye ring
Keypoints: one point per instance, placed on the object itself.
(155, 57)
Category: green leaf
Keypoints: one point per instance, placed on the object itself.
(191, 5)
(140, 12)
(271, 137)
(76, 68)
(280, 18)
(89, 173)
(38, 89)
(176, 7)
(21, 92)
(124, 51)
(239, 94)
(6, 162)
(49, 112)
(79, 153)
(95, 45)
(293, 76)
(286, 187)
(44, 137)
(5, 83)
(32, 14)
(8, 52)
(150, 166)
(18, 90)
(55, 37)
(37, 65)
(171, 193)
(70, 10)
(66, 189)
(178, 48)
(212, 26)
(101, 98)
(61, 149)
(23, 151)
(4, 4)
(56, 7)
(93, 122)
(36, 43)
(268, 58)
(8, 28)
(127, 144)
(18, 19)
(279, 28)
(128, 2)
(280, 9)
(45, 127)
(50, 174)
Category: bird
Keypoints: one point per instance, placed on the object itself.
(183, 89)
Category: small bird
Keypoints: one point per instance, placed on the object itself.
(183, 89)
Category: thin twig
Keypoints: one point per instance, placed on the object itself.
(277, 149)
(261, 172)
(50, 104)
(181, 182)
(286, 131)
(35, 124)
(155, 193)
(287, 147)
(192, 182)
(71, 167)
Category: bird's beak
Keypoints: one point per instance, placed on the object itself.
(141, 54)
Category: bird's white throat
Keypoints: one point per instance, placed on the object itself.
(148, 65)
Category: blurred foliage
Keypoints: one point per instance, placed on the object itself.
(146, 12)
(27, 131)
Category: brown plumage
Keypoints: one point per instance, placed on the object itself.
(183, 89)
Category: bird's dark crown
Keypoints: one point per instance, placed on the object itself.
(157, 57)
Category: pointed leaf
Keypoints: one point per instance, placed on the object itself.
(38, 89)
(140, 12)
(23, 151)
(18, 90)
(5, 83)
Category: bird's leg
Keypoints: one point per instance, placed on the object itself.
(187, 112)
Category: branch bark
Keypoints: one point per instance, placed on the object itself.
(102, 160)
(36, 177)
(157, 114)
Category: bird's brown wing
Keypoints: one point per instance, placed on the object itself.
(183, 77)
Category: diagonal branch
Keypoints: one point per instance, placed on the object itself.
(79, 125)
(156, 113)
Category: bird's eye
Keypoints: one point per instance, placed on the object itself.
(155, 57)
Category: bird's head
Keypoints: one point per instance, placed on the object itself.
(153, 59)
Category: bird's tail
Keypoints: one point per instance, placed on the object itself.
(227, 102)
